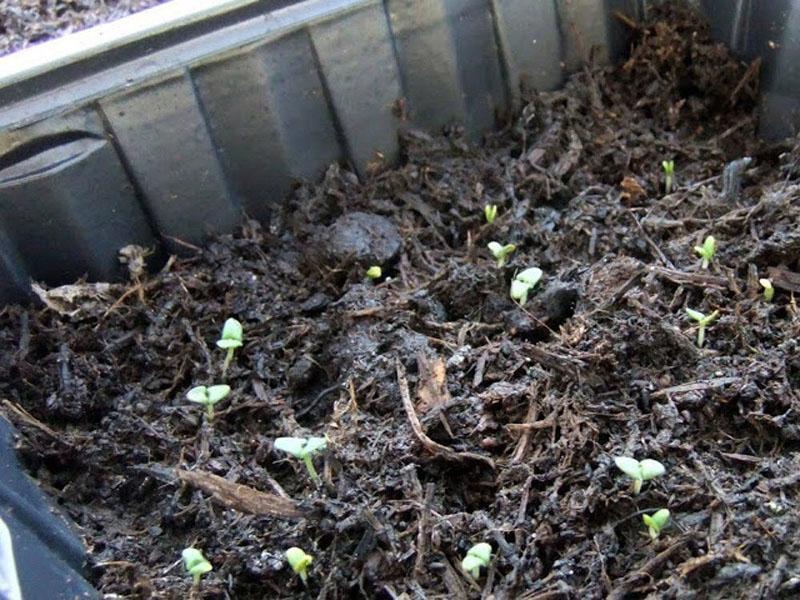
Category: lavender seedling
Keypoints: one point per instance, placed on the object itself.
(490, 212)
(196, 564)
(230, 340)
(703, 321)
(523, 283)
(769, 291)
(500, 252)
(706, 251)
(374, 272)
(304, 449)
(639, 471)
(669, 174)
(208, 396)
(299, 561)
(656, 522)
(478, 556)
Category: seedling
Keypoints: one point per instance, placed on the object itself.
(769, 291)
(523, 283)
(669, 174)
(639, 471)
(196, 564)
(703, 321)
(490, 212)
(500, 252)
(299, 561)
(374, 272)
(230, 340)
(304, 449)
(478, 556)
(208, 396)
(706, 251)
(656, 522)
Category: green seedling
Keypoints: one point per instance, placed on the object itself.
(523, 283)
(669, 174)
(478, 556)
(706, 251)
(703, 321)
(195, 563)
(769, 291)
(230, 340)
(500, 252)
(374, 272)
(656, 522)
(304, 449)
(208, 396)
(299, 561)
(639, 471)
(490, 212)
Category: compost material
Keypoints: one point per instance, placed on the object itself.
(453, 415)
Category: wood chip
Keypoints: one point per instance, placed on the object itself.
(632, 190)
(240, 497)
(784, 279)
(432, 389)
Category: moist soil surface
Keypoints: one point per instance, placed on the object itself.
(453, 415)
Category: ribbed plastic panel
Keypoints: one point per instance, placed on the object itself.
(182, 132)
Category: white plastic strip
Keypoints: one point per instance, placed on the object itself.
(9, 581)
(76, 46)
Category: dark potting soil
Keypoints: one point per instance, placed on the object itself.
(453, 415)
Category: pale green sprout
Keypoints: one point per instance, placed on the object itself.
(304, 449)
(669, 174)
(523, 283)
(769, 291)
(230, 340)
(478, 556)
(374, 272)
(500, 252)
(706, 251)
(195, 563)
(299, 561)
(208, 396)
(490, 212)
(639, 471)
(656, 522)
(703, 321)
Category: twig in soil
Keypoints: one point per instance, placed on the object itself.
(653, 246)
(624, 587)
(308, 407)
(769, 588)
(432, 447)
(26, 417)
(697, 386)
(24, 336)
(239, 497)
(480, 368)
(525, 428)
(705, 280)
(626, 20)
(183, 243)
(751, 73)
(453, 582)
(423, 530)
